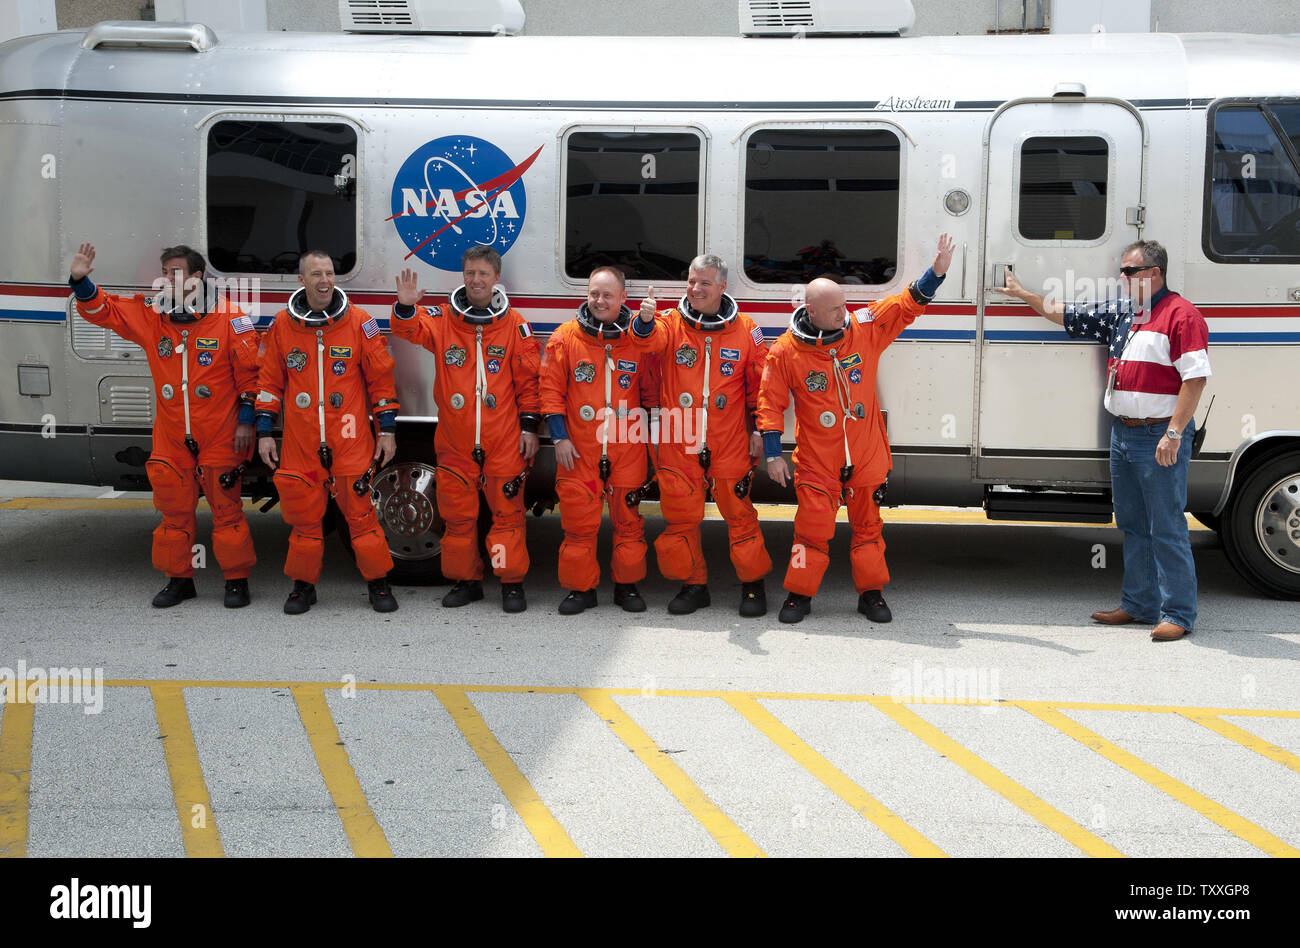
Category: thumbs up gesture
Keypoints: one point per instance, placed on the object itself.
(648, 307)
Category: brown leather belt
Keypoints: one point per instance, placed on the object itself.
(1141, 422)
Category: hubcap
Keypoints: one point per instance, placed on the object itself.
(1277, 523)
(405, 501)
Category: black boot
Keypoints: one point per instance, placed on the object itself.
(236, 593)
(177, 590)
(872, 605)
(463, 593)
(753, 599)
(690, 598)
(301, 599)
(381, 597)
(576, 602)
(626, 595)
(512, 597)
(795, 608)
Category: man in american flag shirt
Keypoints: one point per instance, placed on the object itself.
(1155, 376)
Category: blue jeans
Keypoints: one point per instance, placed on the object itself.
(1150, 500)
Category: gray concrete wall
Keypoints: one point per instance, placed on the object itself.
(720, 18)
(83, 14)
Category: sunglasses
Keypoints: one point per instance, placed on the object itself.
(1133, 271)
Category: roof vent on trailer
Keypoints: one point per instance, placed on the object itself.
(145, 34)
(472, 17)
(826, 17)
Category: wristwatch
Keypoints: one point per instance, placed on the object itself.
(1173, 435)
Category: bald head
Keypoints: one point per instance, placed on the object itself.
(825, 301)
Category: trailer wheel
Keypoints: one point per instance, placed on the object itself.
(404, 495)
(1261, 533)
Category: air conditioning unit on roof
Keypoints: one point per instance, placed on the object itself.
(826, 17)
(466, 17)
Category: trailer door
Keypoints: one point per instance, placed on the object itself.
(1064, 193)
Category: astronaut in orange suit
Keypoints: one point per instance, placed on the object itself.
(709, 379)
(827, 361)
(203, 356)
(488, 415)
(325, 370)
(592, 378)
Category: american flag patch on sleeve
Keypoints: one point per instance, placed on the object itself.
(241, 324)
(757, 335)
(370, 328)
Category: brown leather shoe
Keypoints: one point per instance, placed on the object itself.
(1167, 632)
(1114, 617)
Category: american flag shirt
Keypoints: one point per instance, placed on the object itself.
(1151, 353)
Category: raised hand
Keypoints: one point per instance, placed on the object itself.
(1013, 287)
(944, 257)
(82, 261)
(649, 307)
(408, 288)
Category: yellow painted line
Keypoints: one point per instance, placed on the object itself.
(363, 830)
(1245, 739)
(193, 804)
(546, 829)
(910, 840)
(1216, 812)
(15, 773)
(701, 693)
(718, 825)
(996, 780)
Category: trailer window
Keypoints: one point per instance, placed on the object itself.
(278, 189)
(632, 201)
(1063, 187)
(1254, 204)
(821, 202)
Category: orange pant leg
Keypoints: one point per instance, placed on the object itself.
(748, 551)
(303, 497)
(580, 509)
(369, 545)
(231, 543)
(867, 550)
(628, 562)
(814, 525)
(506, 540)
(175, 494)
(678, 548)
(458, 507)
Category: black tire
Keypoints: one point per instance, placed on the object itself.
(1261, 525)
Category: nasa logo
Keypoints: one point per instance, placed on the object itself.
(727, 368)
(205, 358)
(625, 381)
(855, 376)
(494, 366)
(458, 192)
(339, 367)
